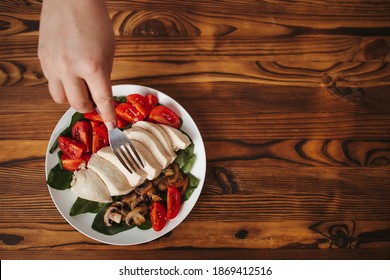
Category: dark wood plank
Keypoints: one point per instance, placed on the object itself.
(188, 23)
(302, 48)
(333, 8)
(201, 254)
(304, 74)
(236, 118)
(337, 234)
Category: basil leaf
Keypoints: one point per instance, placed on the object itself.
(67, 131)
(193, 184)
(81, 206)
(99, 226)
(59, 178)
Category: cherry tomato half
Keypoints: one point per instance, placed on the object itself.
(173, 202)
(82, 131)
(129, 113)
(158, 216)
(140, 103)
(164, 115)
(74, 164)
(152, 100)
(70, 147)
(99, 136)
(93, 116)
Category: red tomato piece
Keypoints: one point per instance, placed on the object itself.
(99, 136)
(158, 216)
(140, 103)
(74, 164)
(93, 116)
(82, 131)
(152, 100)
(70, 147)
(164, 115)
(129, 113)
(173, 202)
(121, 123)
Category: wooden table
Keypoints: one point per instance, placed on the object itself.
(292, 100)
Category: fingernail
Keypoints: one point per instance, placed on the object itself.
(110, 125)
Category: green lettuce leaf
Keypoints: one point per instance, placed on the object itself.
(185, 155)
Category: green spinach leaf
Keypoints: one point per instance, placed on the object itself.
(59, 178)
(194, 182)
(81, 206)
(99, 226)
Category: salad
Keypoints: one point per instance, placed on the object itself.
(149, 205)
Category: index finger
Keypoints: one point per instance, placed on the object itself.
(101, 92)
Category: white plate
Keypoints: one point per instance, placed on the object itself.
(64, 199)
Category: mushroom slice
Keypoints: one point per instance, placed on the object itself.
(136, 215)
(112, 215)
(172, 173)
(143, 189)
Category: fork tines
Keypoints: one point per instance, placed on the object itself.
(125, 151)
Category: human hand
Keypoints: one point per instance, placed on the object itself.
(76, 50)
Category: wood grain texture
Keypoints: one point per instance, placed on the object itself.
(292, 101)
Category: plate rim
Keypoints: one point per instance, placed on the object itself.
(200, 161)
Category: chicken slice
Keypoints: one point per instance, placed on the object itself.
(88, 185)
(114, 179)
(152, 168)
(159, 133)
(151, 143)
(178, 139)
(134, 179)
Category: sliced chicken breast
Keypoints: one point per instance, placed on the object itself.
(152, 167)
(159, 133)
(135, 179)
(151, 143)
(88, 185)
(178, 139)
(114, 179)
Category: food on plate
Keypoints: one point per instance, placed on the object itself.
(149, 196)
(163, 115)
(88, 185)
(151, 143)
(160, 134)
(134, 178)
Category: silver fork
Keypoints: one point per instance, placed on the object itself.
(124, 150)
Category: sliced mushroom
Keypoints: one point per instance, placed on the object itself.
(140, 199)
(129, 198)
(112, 215)
(163, 185)
(152, 195)
(174, 173)
(142, 190)
(136, 215)
(184, 184)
